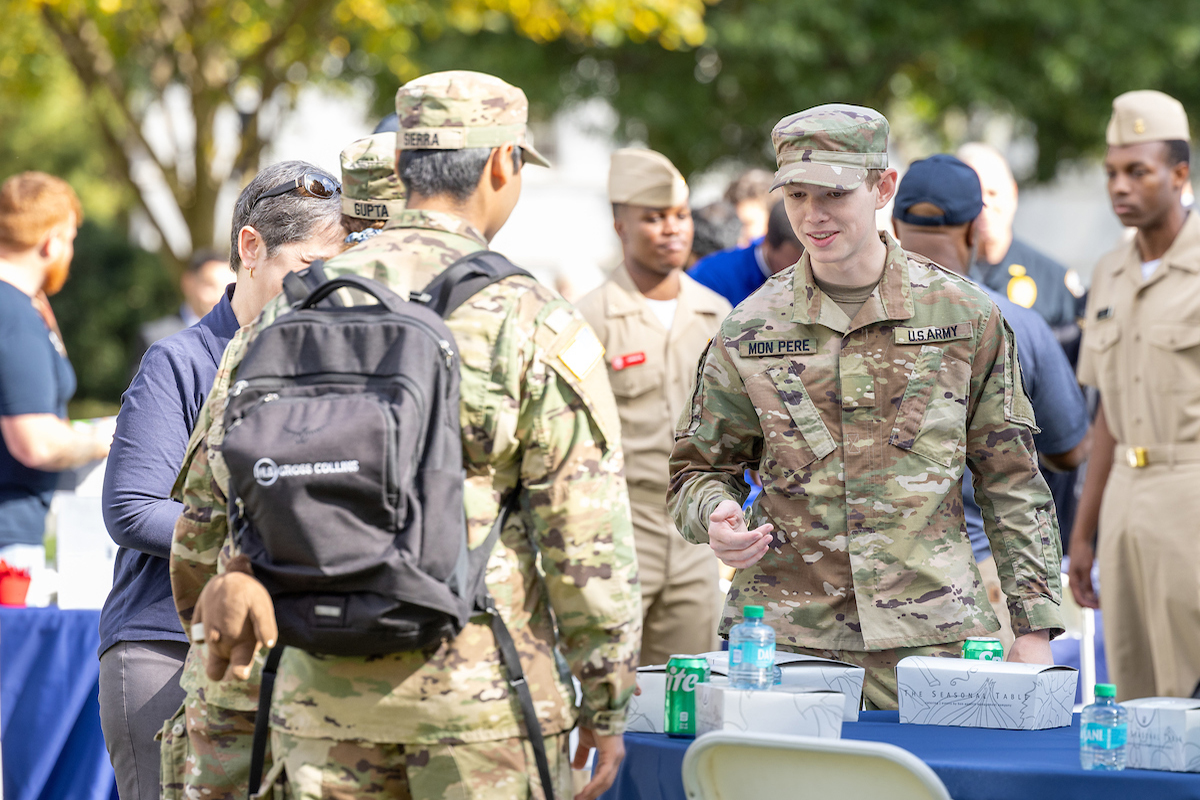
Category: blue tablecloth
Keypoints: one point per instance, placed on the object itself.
(49, 706)
(974, 763)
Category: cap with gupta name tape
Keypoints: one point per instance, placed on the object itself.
(460, 109)
(831, 145)
(370, 188)
(645, 178)
(1146, 116)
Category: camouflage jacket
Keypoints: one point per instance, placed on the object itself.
(536, 408)
(861, 433)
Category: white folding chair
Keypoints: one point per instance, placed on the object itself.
(729, 765)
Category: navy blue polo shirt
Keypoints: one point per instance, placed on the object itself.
(158, 412)
(1057, 401)
(734, 274)
(35, 378)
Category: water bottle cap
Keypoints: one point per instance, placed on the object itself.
(1106, 690)
(752, 612)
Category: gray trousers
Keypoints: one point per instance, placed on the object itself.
(139, 690)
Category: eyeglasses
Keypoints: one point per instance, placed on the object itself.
(309, 184)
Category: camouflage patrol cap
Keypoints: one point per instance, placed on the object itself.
(1146, 116)
(370, 188)
(831, 145)
(459, 109)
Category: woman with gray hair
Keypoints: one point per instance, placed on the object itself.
(288, 216)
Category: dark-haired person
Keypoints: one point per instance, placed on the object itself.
(538, 418)
(142, 646)
(937, 214)
(39, 216)
(203, 283)
(736, 274)
(1141, 350)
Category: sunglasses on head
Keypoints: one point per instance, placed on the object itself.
(309, 184)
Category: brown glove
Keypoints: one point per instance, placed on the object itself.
(234, 617)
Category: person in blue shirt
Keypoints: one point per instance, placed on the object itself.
(39, 216)
(935, 214)
(735, 274)
(142, 646)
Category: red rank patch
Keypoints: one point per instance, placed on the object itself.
(628, 360)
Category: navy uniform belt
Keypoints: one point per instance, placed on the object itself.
(1141, 456)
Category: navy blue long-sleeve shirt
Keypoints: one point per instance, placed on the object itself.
(157, 415)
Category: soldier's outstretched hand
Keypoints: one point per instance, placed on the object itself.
(731, 541)
(234, 617)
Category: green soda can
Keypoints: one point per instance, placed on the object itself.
(683, 674)
(981, 648)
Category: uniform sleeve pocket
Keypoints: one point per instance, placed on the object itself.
(792, 427)
(932, 418)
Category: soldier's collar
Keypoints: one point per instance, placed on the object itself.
(894, 291)
(436, 221)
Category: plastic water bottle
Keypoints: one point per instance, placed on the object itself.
(752, 652)
(1103, 730)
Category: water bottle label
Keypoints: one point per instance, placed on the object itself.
(753, 655)
(1102, 736)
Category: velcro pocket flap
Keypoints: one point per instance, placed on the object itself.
(803, 411)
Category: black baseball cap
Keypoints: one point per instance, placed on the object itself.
(945, 182)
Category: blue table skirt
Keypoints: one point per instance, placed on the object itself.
(49, 707)
(974, 763)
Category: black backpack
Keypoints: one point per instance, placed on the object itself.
(346, 480)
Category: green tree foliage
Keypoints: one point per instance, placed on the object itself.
(240, 64)
(100, 336)
(1054, 65)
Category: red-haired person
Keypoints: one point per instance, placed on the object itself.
(39, 216)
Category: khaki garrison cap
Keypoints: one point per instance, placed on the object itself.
(459, 109)
(832, 145)
(1146, 116)
(370, 188)
(645, 178)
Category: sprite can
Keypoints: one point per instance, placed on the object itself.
(684, 673)
(981, 648)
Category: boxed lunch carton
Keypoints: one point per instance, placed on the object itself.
(809, 673)
(1164, 733)
(783, 709)
(985, 694)
(647, 711)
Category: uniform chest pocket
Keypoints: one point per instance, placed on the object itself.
(794, 435)
(633, 382)
(1175, 361)
(932, 418)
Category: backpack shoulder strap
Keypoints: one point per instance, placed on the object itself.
(298, 285)
(465, 278)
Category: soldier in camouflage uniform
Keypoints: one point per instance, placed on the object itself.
(536, 410)
(371, 190)
(860, 383)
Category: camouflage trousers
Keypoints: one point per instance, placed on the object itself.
(326, 769)
(206, 752)
(879, 685)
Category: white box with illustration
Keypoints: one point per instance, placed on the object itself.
(985, 694)
(1164, 734)
(786, 710)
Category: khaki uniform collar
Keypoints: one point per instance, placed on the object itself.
(622, 297)
(1184, 252)
(891, 300)
(436, 221)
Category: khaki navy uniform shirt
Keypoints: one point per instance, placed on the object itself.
(861, 431)
(651, 370)
(1141, 348)
(536, 409)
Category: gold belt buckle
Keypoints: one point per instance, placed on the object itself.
(1137, 457)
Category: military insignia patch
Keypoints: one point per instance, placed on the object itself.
(934, 333)
(583, 354)
(777, 347)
